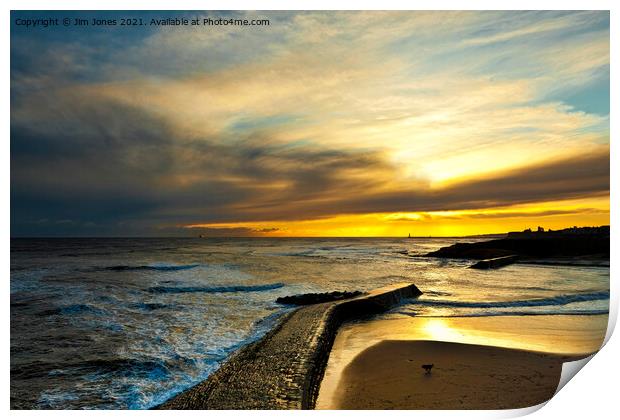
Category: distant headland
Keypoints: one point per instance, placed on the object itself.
(590, 243)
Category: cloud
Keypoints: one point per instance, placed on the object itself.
(319, 114)
(216, 232)
(489, 214)
(133, 169)
(535, 214)
(367, 94)
(578, 176)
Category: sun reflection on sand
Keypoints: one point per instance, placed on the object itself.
(535, 334)
(440, 330)
(463, 332)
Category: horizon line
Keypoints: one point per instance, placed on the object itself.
(254, 237)
(200, 236)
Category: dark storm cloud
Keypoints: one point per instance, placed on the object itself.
(573, 177)
(111, 168)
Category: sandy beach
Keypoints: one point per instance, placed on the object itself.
(479, 363)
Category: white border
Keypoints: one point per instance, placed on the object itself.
(310, 5)
(592, 395)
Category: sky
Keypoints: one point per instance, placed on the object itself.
(320, 124)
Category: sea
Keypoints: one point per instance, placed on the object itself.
(128, 323)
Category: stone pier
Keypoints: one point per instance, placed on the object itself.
(284, 369)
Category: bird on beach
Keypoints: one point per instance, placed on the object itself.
(428, 368)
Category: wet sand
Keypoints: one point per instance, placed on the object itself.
(480, 363)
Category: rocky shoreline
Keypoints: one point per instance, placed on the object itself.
(568, 244)
(283, 370)
(314, 298)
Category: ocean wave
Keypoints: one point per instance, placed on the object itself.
(154, 267)
(121, 365)
(151, 306)
(551, 301)
(506, 313)
(260, 328)
(305, 254)
(215, 289)
(73, 309)
(126, 366)
(436, 293)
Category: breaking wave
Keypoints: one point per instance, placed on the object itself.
(551, 301)
(504, 313)
(154, 267)
(215, 289)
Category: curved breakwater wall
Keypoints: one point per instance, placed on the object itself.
(284, 369)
